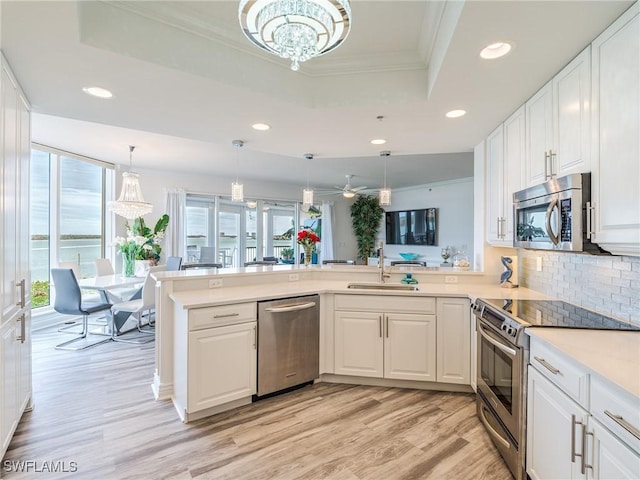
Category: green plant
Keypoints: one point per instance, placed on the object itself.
(150, 249)
(287, 253)
(366, 218)
(39, 293)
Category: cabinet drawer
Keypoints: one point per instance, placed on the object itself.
(200, 318)
(385, 303)
(617, 409)
(569, 376)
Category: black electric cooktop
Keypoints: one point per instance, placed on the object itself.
(555, 313)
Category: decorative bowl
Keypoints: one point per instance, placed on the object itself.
(409, 256)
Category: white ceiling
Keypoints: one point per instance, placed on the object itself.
(186, 82)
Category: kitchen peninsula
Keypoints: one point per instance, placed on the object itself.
(441, 293)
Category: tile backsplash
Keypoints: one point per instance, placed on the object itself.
(606, 284)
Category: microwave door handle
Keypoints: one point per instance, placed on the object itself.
(554, 238)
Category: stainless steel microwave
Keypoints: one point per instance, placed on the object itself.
(555, 215)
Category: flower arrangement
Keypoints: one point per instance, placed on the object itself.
(307, 238)
(141, 243)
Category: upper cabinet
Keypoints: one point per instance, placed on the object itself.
(504, 157)
(557, 124)
(615, 123)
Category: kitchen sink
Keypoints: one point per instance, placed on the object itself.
(383, 286)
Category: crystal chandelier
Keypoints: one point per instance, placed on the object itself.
(385, 193)
(296, 29)
(130, 203)
(237, 189)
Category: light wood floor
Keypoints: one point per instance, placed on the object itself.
(95, 413)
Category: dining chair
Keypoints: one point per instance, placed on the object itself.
(416, 263)
(342, 262)
(68, 301)
(139, 306)
(174, 263)
(207, 255)
(259, 262)
(104, 267)
(189, 266)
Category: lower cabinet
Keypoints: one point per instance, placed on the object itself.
(403, 338)
(215, 359)
(612, 459)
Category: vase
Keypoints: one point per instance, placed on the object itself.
(128, 264)
(307, 254)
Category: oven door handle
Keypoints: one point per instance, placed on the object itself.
(509, 351)
(553, 204)
(494, 433)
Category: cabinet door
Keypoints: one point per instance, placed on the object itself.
(571, 98)
(495, 187)
(222, 365)
(539, 135)
(615, 117)
(513, 166)
(359, 344)
(474, 353)
(612, 459)
(454, 332)
(410, 347)
(9, 354)
(552, 431)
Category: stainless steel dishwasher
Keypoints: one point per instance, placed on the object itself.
(288, 343)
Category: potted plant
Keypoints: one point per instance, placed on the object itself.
(366, 218)
(287, 255)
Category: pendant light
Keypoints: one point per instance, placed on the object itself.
(130, 203)
(237, 189)
(307, 193)
(385, 193)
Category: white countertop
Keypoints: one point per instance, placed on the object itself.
(614, 355)
(219, 296)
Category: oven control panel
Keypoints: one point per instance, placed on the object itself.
(509, 327)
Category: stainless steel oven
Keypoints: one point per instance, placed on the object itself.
(503, 356)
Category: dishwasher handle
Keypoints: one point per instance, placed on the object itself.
(291, 307)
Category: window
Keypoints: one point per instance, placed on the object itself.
(240, 232)
(67, 199)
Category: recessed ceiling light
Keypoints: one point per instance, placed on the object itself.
(378, 141)
(495, 50)
(97, 92)
(455, 113)
(261, 126)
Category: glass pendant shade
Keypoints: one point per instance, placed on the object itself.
(385, 196)
(130, 203)
(307, 196)
(237, 192)
(295, 29)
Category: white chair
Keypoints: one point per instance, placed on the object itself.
(141, 305)
(116, 295)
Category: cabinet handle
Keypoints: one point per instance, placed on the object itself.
(583, 463)
(386, 321)
(546, 165)
(21, 285)
(380, 322)
(623, 423)
(22, 335)
(590, 212)
(255, 338)
(573, 439)
(225, 315)
(551, 171)
(547, 365)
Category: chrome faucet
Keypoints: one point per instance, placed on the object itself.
(383, 274)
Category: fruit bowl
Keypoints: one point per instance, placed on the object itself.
(409, 256)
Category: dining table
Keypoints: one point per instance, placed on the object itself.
(104, 284)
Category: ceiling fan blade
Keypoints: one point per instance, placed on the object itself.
(357, 189)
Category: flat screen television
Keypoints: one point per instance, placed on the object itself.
(412, 227)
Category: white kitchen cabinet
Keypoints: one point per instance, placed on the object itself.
(474, 353)
(453, 340)
(554, 426)
(557, 121)
(410, 347)
(615, 117)
(385, 337)
(215, 359)
(612, 459)
(359, 344)
(505, 157)
(15, 307)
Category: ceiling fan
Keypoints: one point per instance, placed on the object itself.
(348, 191)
